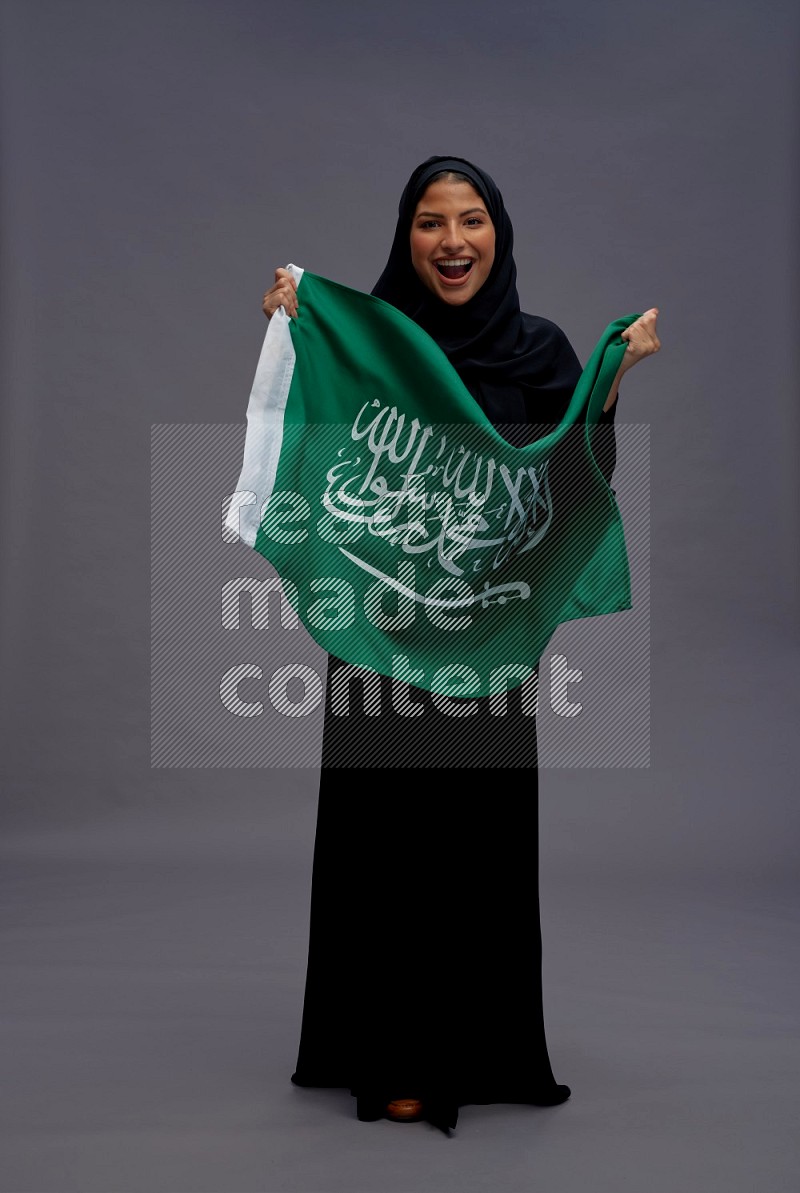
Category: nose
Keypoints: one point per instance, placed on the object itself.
(452, 238)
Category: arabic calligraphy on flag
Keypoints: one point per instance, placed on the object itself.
(401, 523)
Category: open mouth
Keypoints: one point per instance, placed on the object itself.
(454, 270)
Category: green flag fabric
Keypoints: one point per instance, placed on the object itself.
(409, 536)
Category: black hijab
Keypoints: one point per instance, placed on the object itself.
(519, 368)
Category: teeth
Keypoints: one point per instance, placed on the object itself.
(454, 261)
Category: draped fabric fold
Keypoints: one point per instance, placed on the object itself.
(410, 535)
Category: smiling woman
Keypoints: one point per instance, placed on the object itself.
(452, 247)
(423, 987)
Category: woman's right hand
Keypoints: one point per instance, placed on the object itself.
(282, 294)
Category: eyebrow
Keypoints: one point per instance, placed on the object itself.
(438, 215)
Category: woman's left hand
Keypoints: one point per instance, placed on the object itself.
(642, 339)
(642, 342)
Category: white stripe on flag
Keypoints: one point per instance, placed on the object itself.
(264, 436)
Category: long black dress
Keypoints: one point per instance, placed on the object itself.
(424, 961)
(425, 953)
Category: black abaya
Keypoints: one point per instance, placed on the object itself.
(424, 962)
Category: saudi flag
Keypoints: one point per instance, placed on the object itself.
(409, 536)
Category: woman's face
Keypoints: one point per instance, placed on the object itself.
(452, 241)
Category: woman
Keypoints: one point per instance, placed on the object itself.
(423, 987)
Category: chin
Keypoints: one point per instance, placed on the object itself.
(454, 298)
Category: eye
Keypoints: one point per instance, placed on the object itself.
(429, 224)
(475, 219)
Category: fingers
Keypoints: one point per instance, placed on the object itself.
(282, 294)
(641, 336)
(648, 321)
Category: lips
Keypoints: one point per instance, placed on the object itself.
(455, 270)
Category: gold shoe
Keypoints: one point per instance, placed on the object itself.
(404, 1110)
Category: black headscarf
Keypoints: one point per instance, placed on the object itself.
(519, 367)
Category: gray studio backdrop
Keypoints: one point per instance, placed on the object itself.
(159, 160)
